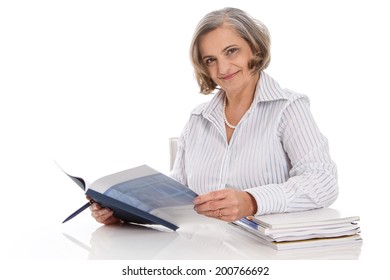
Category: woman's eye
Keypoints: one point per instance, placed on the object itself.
(232, 50)
(209, 61)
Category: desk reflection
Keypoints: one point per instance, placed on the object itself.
(195, 241)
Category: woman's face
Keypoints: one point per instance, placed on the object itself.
(226, 55)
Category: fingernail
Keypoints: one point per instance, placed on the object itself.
(196, 200)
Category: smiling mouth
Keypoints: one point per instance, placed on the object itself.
(229, 77)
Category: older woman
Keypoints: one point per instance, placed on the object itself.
(254, 148)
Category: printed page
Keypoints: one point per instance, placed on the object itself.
(103, 184)
(147, 190)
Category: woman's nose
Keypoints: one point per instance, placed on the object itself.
(223, 67)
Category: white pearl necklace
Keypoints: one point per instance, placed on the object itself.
(224, 116)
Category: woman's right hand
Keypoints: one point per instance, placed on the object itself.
(103, 215)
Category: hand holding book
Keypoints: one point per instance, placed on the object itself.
(139, 195)
(103, 215)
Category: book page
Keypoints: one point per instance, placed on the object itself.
(145, 189)
(103, 184)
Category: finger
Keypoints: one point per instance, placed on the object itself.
(211, 214)
(208, 206)
(104, 219)
(100, 212)
(224, 202)
(223, 215)
(214, 195)
(95, 206)
(102, 215)
(218, 214)
(112, 220)
(227, 214)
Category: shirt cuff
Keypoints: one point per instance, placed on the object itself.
(269, 198)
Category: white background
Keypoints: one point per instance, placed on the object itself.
(100, 86)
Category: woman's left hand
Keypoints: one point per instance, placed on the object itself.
(226, 204)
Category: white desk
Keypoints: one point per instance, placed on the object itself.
(212, 241)
(32, 229)
(83, 238)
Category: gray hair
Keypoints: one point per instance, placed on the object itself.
(254, 32)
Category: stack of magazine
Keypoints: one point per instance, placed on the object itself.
(312, 228)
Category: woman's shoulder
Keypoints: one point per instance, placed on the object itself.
(199, 108)
(293, 96)
(270, 90)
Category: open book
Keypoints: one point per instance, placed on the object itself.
(140, 195)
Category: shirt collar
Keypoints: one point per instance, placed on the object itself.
(267, 89)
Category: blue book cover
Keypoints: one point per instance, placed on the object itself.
(139, 195)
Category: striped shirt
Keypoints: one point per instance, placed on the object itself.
(276, 153)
